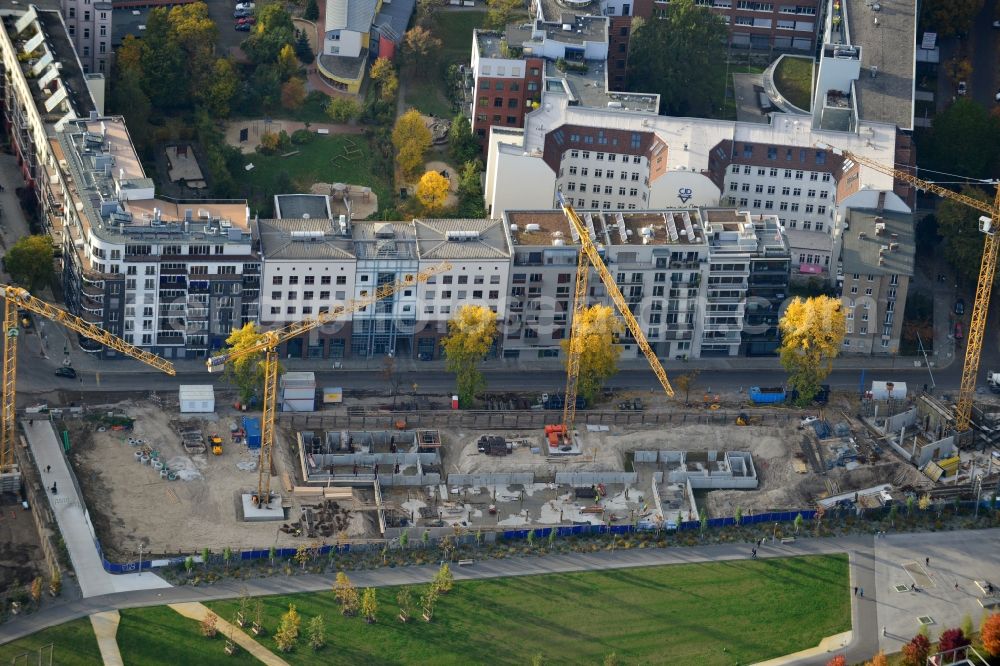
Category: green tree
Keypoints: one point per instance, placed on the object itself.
(738, 516)
(444, 579)
(703, 520)
(682, 57)
(303, 47)
(128, 98)
(684, 383)
(470, 336)
(470, 182)
(272, 32)
(219, 94)
(812, 332)
(29, 262)
(227, 556)
(964, 140)
(246, 372)
(206, 554)
(195, 34)
(163, 62)
(500, 12)
(959, 228)
(411, 138)
(594, 338)
(797, 522)
(288, 630)
(427, 602)
(949, 17)
(317, 632)
(342, 109)
(462, 144)
(266, 86)
(311, 12)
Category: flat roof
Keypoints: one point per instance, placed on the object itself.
(581, 28)
(302, 239)
(388, 240)
(489, 42)
(590, 88)
(891, 47)
(648, 227)
(301, 206)
(865, 243)
(555, 10)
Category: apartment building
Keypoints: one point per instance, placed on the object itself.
(878, 257)
(684, 272)
(504, 87)
(767, 287)
(89, 25)
(312, 265)
(173, 277)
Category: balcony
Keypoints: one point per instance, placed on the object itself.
(91, 317)
(170, 338)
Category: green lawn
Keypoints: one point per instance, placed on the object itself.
(793, 78)
(719, 613)
(454, 29)
(160, 635)
(72, 643)
(314, 163)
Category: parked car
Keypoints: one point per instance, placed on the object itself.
(243, 27)
(246, 20)
(960, 306)
(962, 88)
(996, 24)
(68, 373)
(245, 5)
(959, 331)
(240, 14)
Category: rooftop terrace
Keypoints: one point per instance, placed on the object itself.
(590, 88)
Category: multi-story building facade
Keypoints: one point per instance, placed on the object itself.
(313, 265)
(89, 26)
(684, 272)
(767, 287)
(172, 277)
(878, 255)
(504, 87)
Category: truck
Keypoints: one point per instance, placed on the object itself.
(767, 396)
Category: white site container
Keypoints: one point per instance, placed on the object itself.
(197, 398)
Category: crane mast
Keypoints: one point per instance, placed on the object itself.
(268, 344)
(590, 257)
(984, 283)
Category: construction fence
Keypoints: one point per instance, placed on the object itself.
(523, 419)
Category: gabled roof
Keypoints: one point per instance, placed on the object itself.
(353, 15)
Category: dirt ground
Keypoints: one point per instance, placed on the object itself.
(129, 503)
(21, 556)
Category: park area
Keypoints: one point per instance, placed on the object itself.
(335, 158)
(714, 613)
(427, 91)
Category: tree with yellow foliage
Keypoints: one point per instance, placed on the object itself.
(470, 335)
(594, 336)
(412, 138)
(432, 191)
(246, 372)
(384, 74)
(878, 660)
(812, 332)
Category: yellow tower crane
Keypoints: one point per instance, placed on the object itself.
(16, 298)
(589, 257)
(269, 342)
(984, 285)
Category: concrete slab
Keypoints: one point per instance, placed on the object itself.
(256, 514)
(74, 522)
(947, 585)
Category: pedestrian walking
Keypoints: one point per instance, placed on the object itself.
(927, 561)
(48, 468)
(855, 590)
(861, 591)
(55, 490)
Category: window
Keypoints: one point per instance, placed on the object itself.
(745, 187)
(759, 189)
(868, 291)
(871, 277)
(277, 279)
(293, 279)
(797, 192)
(770, 189)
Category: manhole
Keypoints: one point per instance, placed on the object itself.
(900, 588)
(925, 619)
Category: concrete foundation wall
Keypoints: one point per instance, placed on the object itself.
(497, 479)
(894, 423)
(591, 478)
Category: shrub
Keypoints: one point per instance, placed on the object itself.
(302, 136)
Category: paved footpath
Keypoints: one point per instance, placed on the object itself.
(74, 522)
(106, 631)
(197, 612)
(875, 564)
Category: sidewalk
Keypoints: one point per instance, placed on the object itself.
(74, 521)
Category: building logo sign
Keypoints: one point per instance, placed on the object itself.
(684, 193)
